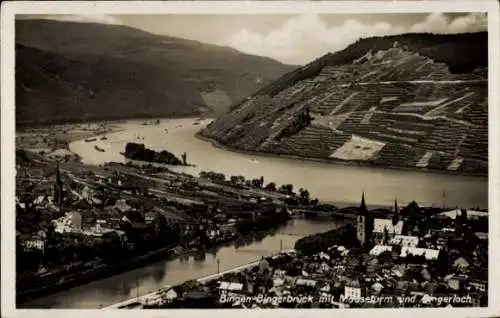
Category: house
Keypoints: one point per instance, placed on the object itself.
(99, 231)
(250, 286)
(40, 199)
(404, 240)
(101, 222)
(383, 226)
(457, 282)
(114, 223)
(263, 265)
(352, 290)
(479, 284)
(122, 235)
(155, 299)
(230, 287)
(305, 282)
(377, 287)
(76, 220)
(425, 274)
(324, 256)
(87, 218)
(441, 241)
(171, 294)
(36, 242)
(149, 217)
(475, 301)
(326, 288)
(278, 282)
(481, 235)
(379, 249)
(402, 285)
(122, 206)
(70, 222)
(279, 273)
(461, 263)
(429, 254)
(470, 214)
(324, 267)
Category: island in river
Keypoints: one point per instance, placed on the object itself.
(135, 151)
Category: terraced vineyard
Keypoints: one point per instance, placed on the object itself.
(391, 107)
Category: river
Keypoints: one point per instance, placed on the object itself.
(148, 279)
(337, 183)
(340, 184)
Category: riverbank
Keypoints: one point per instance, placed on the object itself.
(90, 275)
(221, 146)
(137, 300)
(105, 120)
(344, 236)
(104, 271)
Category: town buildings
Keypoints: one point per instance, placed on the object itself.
(420, 270)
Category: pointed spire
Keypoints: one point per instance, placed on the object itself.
(363, 208)
(395, 217)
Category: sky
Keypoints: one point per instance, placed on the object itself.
(291, 39)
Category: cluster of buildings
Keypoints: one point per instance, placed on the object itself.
(97, 206)
(394, 267)
(409, 257)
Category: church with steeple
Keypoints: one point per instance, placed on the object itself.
(377, 229)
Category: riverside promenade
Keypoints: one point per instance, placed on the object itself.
(136, 303)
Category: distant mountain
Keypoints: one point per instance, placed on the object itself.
(74, 71)
(415, 101)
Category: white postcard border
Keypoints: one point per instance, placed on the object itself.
(10, 9)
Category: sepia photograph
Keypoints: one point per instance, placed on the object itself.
(188, 156)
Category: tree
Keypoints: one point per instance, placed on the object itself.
(234, 179)
(271, 186)
(287, 188)
(256, 183)
(304, 196)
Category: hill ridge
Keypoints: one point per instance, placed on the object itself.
(394, 107)
(112, 72)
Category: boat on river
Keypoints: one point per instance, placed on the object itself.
(99, 149)
(90, 139)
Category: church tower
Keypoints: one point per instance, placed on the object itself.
(58, 188)
(363, 222)
(395, 217)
